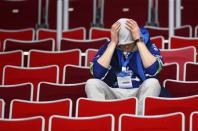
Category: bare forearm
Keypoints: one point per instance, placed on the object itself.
(147, 58)
(105, 59)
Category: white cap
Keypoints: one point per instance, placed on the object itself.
(125, 36)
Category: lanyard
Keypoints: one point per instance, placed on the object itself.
(124, 63)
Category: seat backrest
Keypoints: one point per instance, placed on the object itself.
(75, 74)
(38, 58)
(179, 42)
(158, 41)
(87, 107)
(194, 121)
(196, 31)
(76, 33)
(83, 45)
(179, 57)
(169, 71)
(178, 88)
(167, 122)
(51, 91)
(36, 123)
(2, 108)
(94, 123)
(190, 71)
(96, 32)
(45, 44)
(46, 109)
(89, 55)
(33, 75)
(19, 91)
(22, 34)
(185, 30)
(10, 58)
(157, 106)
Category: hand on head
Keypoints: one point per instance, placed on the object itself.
(133, 27)
(115, 28)
(124, 31)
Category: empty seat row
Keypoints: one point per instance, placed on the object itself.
(78, 35)
(87, 107)
(172, 71)
(50, 43)
(17, 75)
(46, 92)
(98, 123)
(38, 58)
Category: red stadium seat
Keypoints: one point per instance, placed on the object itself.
(181, 88)
(10, 58)
(89, 55)
(2, 108)
(36, 123)
(169, 71)
(94, 123)
(22, 34)
(185, 30)
(76, 33)
(76, 74)
(51, 91)
(16, 75)
(158, 41)
(179, 57)
(167, 122)
(194, 121)
(46, 44)
(83, 45)
(190, 71)
(96, 33)
(158, 106)
(87, 107)
(41, 58)
(21, 108)
(19, 91)
(178, 42)
(196, 31)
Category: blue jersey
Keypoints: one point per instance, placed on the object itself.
(139, 73)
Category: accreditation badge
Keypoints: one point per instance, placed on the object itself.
(124, 79)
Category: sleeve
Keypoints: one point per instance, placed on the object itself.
(156, 67)
(97, 70)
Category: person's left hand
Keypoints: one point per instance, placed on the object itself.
(132, 26)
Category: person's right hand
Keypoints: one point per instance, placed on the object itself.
(115, 28)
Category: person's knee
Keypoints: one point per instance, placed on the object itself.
(152, 83)
(91, 84)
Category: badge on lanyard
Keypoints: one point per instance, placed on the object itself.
(124, 77)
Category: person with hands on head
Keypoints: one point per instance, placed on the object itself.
(127, 66)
